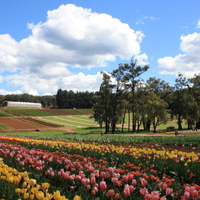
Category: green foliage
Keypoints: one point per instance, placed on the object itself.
(70, 99)
(186, 140)
(2, 126)
(44, 112)
(4, 114)
(29, 112)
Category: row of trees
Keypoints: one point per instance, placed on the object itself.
(149, 103)
(63, 99)
(70, 99)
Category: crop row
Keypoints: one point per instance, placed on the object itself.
(105, 171)
(186, 140)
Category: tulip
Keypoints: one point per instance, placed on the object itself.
(103, 186)
(111, 193)
(127, 192)
(143, 182)
(117, 196)
(187, 195)
(194, 193)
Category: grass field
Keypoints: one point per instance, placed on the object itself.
(71, 118)
(71, 121)
(189, 139)
(44, 112)
(4, 114)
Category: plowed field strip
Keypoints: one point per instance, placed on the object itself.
(15, 123)
(34, 123)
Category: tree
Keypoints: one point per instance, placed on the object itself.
(117, 103)
(131, 72)
(156, 109)
(179, 99)
(103, 105)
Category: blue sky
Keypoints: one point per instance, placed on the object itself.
(51, 44)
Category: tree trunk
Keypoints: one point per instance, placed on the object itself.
(113, 127)
(148, 125)
(123, 120)
(179, 122)
(129, 120)
(133, 122)
(138, 126)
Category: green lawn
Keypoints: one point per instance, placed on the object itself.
(29, 112)
(45, 111)
(4, 114)
(70, 121)
(187, 139)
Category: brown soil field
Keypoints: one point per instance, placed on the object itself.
(24, 123)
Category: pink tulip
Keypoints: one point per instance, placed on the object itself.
(147, 197)
(130, 177)
(143, 182)
(169, 191)
(131, 188)
(134, 182)
(124, 178)
(93, 180)
(194, 193)
(21, 163)
(119, 183)
(111, 193)
(96, 189)
(103, 186)
(117, 196)
(143, 191)
(110, 170)
(183, 198)
(187, 189)
(187, 195)
(114, 180)
(127, 191)
(88, 187)
(71, 187)
(164, 186)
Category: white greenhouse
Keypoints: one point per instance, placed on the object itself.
(22, 104)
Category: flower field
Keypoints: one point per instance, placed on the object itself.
(49, 169)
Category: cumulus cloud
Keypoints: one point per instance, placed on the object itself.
(70, 36)
(142, 59)
(187, 63)
(8, 53)
(4, 92)
(198, 24)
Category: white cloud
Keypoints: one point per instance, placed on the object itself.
(142, 59)
(146, 18)
(187, 63)
(4, 92)
(71, 36)
(198, 24)
(8, 52)
(82, 82)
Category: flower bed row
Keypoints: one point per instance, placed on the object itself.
(105, 171)
(18, 185)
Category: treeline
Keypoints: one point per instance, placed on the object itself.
(47, 101)
(70, 99)
(147, 103)
(63, 99)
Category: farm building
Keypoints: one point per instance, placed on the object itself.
(22, 104)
